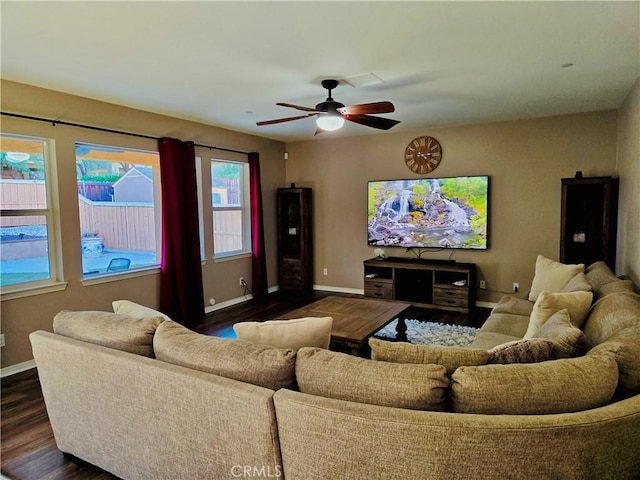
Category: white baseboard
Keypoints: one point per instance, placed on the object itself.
(17, 368)
(235, 301)
(325, 288)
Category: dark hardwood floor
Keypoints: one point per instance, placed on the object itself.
(29, 450)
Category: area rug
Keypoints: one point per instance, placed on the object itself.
(432, 333)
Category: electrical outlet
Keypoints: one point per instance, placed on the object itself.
(242, 282)
(325, 272)
(1, 339)
(516, 287)
(483, 285)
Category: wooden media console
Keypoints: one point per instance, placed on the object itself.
(442, 285)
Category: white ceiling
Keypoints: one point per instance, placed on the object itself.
(228, 63)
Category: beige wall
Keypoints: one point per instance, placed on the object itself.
(525, 159)
(24, 315)
(628, 258)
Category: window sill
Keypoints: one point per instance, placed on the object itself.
(31, 291)
(117, 276)
(233, 256)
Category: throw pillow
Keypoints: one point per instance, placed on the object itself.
(578, 283)
(449, 357)
(559, 386)
(133, 335)
(295, 333)
(127, 307)
(577, 304)
(244, 361)
(552, 276)
(522, 351)
(568, 340)
(345, 377)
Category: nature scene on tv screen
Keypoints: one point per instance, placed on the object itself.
(429, 213)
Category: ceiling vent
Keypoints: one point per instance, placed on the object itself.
(362, 80)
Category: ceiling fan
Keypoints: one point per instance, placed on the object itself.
(330, 115)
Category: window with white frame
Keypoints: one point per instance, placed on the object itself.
(28, 239)
(231, 208)
(119, 204)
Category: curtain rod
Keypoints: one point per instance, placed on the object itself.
(119, 132)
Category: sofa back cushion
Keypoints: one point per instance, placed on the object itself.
(449, 357)
(132, 309)
(121, 332)
(237, 359)
(557, 386)
(295, 333)
(345, 377)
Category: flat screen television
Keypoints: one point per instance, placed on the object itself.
(429, 213)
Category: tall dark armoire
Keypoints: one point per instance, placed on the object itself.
(589, 220)
(295, 241)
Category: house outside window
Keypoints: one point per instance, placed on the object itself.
(29, 245)
(119, 203)
(231, 208)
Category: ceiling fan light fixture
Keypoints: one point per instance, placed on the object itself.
(329, 122)
(18, 156)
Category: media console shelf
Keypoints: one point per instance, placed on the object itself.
(434, 284)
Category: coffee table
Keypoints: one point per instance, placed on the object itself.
(354, 319)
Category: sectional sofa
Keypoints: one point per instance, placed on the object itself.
(146, 398)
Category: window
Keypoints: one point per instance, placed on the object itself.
(119, 202)
(230, 201)
(28, 241)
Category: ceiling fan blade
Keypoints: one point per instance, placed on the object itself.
(297, 107)
(370, 121)
(282, 120)
(365, 108)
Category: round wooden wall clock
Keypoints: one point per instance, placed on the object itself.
(423, 154)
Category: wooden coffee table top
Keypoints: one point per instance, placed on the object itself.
(354, 319)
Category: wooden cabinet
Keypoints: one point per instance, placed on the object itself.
(441, 285)
(295, 249)
(589, 220)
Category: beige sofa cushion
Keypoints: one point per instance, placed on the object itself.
(295, 333)
(577, 304)
(449, 357)
(552, 276)
(514, 306)
(566, 385)
(506, 324)
(133, 335)
(245, 361)
(345, 377)
(132, 309)
(568, 340)
(610, 314)
(617, 286)
(522, 351)
(598, 275)
(625, 346)
(488, 340)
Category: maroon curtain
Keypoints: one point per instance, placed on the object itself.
(181, 292)
(259, 263)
